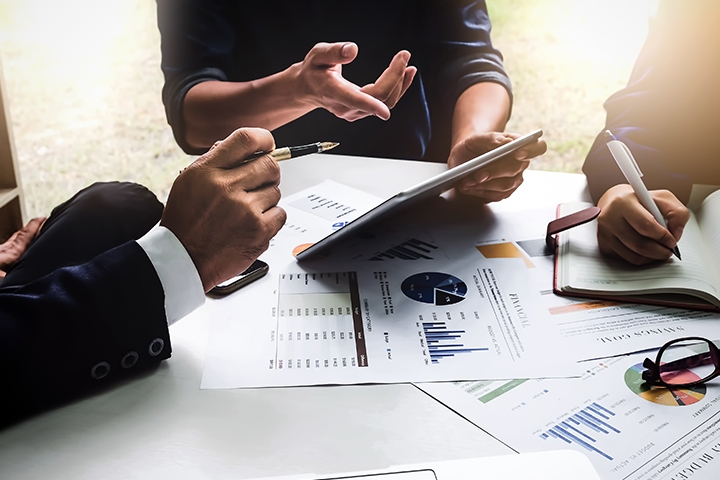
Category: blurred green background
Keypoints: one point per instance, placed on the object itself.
(84, 81)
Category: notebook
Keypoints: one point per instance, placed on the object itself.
(406, 198)
(693, 282)
(550, 465)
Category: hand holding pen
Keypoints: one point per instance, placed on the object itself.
(284, 153)
(635, 224)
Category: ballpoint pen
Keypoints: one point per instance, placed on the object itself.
(285, 153)
(628, 165)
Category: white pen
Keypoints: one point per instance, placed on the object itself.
(628, 165)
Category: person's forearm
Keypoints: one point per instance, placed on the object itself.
(212, 110)
(484, 107)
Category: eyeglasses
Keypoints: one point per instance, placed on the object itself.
(684, 362)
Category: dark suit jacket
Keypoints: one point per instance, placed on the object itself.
(78, 329)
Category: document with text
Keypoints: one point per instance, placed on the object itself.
(418, 283)
(628, 430)
(345, 321)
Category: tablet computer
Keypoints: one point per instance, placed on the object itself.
(429, 188)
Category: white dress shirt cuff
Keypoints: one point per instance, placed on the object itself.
(178, 275)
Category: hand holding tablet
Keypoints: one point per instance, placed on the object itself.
(406, 198)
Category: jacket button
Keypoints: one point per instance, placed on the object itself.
(100, 370)
(129, 360)
(156, 346)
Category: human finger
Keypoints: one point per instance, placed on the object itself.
(237, 147)
(534, 149)
(648, 247)
(506, 167)
(612, 246)
(493, 190)
(623, 219)
(345, 100)
(401, 87)
(15, 246)
(474, 146)
(264, 198)
(391, 78)
(642, 222)
(675, 213)
(326, 54)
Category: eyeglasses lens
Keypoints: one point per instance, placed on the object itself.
(685, 363)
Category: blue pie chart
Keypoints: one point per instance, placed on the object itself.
(435, 288)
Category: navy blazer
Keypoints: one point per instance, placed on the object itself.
(78, 329)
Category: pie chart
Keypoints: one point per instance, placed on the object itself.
(675, 397)
(435, 288)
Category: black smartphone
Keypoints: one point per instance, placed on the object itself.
(257, 270)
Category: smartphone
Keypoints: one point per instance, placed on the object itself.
(257, 270)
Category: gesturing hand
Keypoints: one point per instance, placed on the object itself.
(502, 177)
(14, 248)
(224, 211)
(321, 82)
(628, 231)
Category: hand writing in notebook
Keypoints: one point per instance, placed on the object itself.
(628, 231)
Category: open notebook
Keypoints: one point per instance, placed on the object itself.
(551, 465)
(694, 282)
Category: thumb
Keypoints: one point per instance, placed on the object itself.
(329, 54)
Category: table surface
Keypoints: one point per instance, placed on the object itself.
(162, 424)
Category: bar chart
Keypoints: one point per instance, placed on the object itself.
(444, 343)
(410, 249)
(585, 428)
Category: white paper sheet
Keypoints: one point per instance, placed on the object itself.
(598, 329)
(246, 325)
(344, 322)
(366, 323)
(627, 431)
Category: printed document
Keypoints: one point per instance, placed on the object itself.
(627, 430)
(349, 321)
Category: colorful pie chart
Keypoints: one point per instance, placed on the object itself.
(675, 397)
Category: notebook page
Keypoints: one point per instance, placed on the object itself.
(708, 217)
(583, 267)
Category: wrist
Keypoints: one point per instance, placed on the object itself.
(299, 92)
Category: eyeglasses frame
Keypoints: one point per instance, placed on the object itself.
(653, 369)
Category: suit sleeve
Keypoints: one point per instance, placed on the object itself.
(79, 329)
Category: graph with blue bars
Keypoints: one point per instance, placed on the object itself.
(583, 427)
(444, 343)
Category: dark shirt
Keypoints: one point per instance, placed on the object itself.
(669, 113)
(238, 40)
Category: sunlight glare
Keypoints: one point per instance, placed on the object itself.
(607, 32)
(72, 34)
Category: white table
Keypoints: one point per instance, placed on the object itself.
(163, 426)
